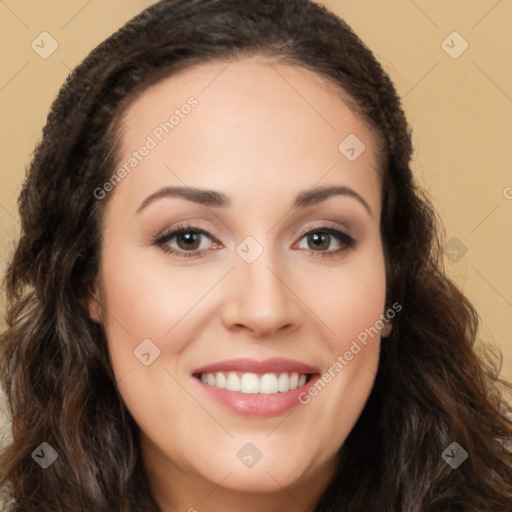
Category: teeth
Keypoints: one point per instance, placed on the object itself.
(252, 383)
(283, 384)
(233, 382)
(220, 380)
(268, 384)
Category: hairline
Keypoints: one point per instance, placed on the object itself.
(175, 70)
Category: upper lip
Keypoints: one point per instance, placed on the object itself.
(252, 365)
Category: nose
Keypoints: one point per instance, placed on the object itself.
(260, 299)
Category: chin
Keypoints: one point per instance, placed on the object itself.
(268, 476)
(259, 480)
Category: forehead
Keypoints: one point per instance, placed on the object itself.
(255, 124)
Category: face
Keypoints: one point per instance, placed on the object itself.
(237, 341)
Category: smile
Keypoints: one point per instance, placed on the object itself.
(252, 383)
(248, 387)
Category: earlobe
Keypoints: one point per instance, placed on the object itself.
(386, 330)
(94, 306)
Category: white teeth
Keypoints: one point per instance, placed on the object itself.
(221, 380)
(268, 384)
(283, 383)
(252, 383)
(233, 382)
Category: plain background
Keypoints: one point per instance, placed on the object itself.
(460, 111)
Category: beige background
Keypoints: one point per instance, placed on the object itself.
(460, 110)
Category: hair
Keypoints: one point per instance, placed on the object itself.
(432, 387)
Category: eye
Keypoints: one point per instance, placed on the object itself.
(320, 239)
(188, 240)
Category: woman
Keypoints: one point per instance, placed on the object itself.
(228, 291)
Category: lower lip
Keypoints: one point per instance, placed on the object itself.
(255, 404)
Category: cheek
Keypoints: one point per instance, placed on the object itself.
(144, 300)
(352, 310)
(350, 300)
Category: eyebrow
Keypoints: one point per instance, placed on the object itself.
(218, 199)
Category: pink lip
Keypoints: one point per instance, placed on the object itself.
(252, 365)
(255, 404)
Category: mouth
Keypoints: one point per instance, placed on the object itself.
(256, 388)
(254, 383)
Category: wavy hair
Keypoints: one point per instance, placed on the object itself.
(432, 387)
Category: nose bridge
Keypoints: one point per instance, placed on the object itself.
(259, 297)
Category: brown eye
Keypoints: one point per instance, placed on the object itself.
(320, 239)
(188, 241)
(184, 241)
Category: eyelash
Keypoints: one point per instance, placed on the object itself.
(162, 240)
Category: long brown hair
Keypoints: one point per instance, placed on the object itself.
(431, 388)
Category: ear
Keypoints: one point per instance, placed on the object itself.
(94, 305)
(386, 330)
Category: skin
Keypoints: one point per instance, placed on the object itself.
(261, 133)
